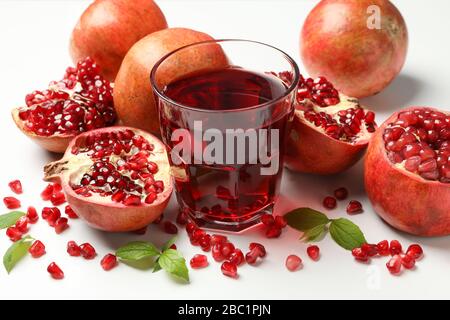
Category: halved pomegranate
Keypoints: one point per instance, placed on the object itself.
(407, 171)
(117, 179)
(80, 102)
(330, 130)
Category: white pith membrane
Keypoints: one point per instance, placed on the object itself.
(418, 142)
(82, 161)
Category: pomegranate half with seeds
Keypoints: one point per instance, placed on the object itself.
(80, 102)
(117, 179)
(330, 130)
(407, 171)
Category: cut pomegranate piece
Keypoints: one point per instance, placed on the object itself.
(394, 265)
(14, 234)
(87, 251)
(229, 269)
(60, 225)
(73, 249)
(199, 261)
(293, 262)
(80, 102)
(354, 207)
(313, 252)
(11, 203)
(395, 248)
(105, 177)
(108, 262)
(16, 186)
(55, 271)
(170, 228)
(37, 249)
(407, 171)
(32, 215)
(415, 251)
(22, 224)
(70, 213)
(329, 203)
(330, 131)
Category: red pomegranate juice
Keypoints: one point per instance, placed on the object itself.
(229, 195)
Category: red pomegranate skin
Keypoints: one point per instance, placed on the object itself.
(403, 199)
(336, 42)
(107, 29)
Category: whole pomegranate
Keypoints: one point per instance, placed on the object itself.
(359, 45)
(330, 130)
(81, 101)
(133, 96)
(407, 171)
(107, 29)
(117, 178)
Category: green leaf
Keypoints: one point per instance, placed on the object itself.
(137, 250)
(9, 219)
(16, 252)
(346, 234)
(156, 267)
(168, 244)
(314, 234)
(304, 219)
(173, 263)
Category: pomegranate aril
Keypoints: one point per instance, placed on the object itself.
(354, 207)
(395, 248)
(258, 248)
(227, 249)
(205, 242)
(190, 227)
(341, 193)
(14, 234)
(217, 238)
(70, 213)
(237, 257)
(22, 224)
(394, 265)
(199, 261)
(58, 198)
(151, 197)
(108, 262)
(216, 251)
(16, 186)
(313, 252)
(37, 249)
(329, 203)
(370, 249)
(47, 193)
(73, 249)
(293, 262)
(55, 271)
(273, 232)
(251, 256)
(51, 215)
(383, 248)
(360, 254)
(415, 251)
(170, 228)
(132, 200)
(11, 202)
(267, 220)
(182, 218)
(60, 225)
(280, 222)
(32, 215)
(229, 269)
(88, 251)
(407, 261)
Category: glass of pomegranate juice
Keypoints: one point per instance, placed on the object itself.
(224, 111)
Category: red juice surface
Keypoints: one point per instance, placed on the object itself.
(228, 193)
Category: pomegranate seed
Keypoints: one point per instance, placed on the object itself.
(329, 203)
(273, 232)
(150, 198)
(32, 215)
(408, 262)
(394, 265)
(58, 198)
(70, 213)
(22, 224)
(14, 234)
(73, 249)
(280, 222)
(216, 251)
(341, 193)
(60, 225)
(174, 247)
(251, 256)
(16, 186)
(258, 248)
(190, 227)
(140, 231)
(51, 215)
(293, 262)
(205, 242)
(313, 252)
(267, 220)
(88, 251)
(383, 248)
(217, 238)
(37, 249)
(132, 200)
(170, 228)
(11, 202)
(370, 249)
(415, 251)
(182, 218)
(395, 248)
(229, 269)
(237, 257)
(360, 255)
(354, 207)
(108, 262)
(47, 193)
(227, 249)
(199, 261)
(55, 271)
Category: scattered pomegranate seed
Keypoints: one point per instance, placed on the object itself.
(174, 247)
(267, 220)
(55, 271)
(313, 252)
(190, 227)
(199, 261)
(394, 265)
(217, 238)
(170, 228)
(182, 218)
(407, 261)
(73, 249)
(32, 215)
(58, 198)
(60, 225)
(370, 249)
(229, 269)
(395, 248)
(37, 249)
(205, 242)
(47, 192)
(216, 251)
(227, 249)
(329, 203)
(51, 215)
(383, 248)
(415, 251)
(237, 257)
(258, 248)
(354, 207)
(22, 224)
(88, 251)
(341, 193)
(14, 234)
(273, 232)
(293, 262)
(108, 262)
(140, 231)
(11, 202)
(251, 257)
(360, 254)
(16, 186)
(280, 222)
(70, 213)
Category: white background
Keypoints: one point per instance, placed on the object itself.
(34, 38)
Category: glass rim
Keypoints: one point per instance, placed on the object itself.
(288, 91)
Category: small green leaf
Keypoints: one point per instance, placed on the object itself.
(346, 234)
(137, 250)
(168, 244)
(9, 219)
(304, 219)
(156, 267)
(16, 252)
(173, 263)
(314, 234)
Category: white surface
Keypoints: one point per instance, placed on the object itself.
(34, 38)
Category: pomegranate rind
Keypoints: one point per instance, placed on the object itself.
(102, 213)
(403, 199)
